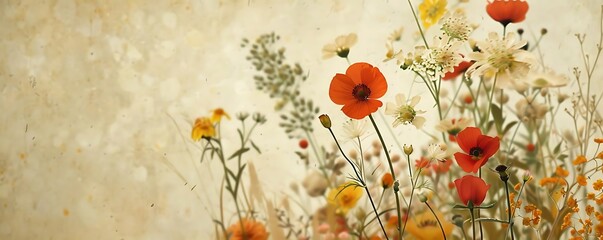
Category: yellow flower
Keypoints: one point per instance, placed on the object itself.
(217, 115)
(431, 11)
(425, 226)
(251, 230)
(345, 196)
(203, 127)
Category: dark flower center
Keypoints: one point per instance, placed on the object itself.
(361, 92)
(343, 52)
(476, 152)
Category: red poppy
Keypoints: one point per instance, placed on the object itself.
(478, 149)
(422, 163)
(358, 89)
(471, 188)
(507, 11)
(458, 70)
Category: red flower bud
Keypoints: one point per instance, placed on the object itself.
(471, 188)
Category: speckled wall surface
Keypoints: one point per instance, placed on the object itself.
(98, 97)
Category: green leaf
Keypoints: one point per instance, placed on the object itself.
(255, 147)
(238, 153)
(508, 127)
(489, 205)
(460, 206)
(497, 116)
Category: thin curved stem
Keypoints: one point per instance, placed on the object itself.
(391, 169)
(438, 219)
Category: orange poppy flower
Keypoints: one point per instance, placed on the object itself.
(471, 188)
(477, 149)
(507, 11)
(358, 89)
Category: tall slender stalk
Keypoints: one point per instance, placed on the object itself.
(438, 219)
(361, 182)
(391, 169)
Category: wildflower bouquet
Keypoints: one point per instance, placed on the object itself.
(516, 152)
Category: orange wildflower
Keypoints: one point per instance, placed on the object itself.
(217, 115)
(598, 185)
(387, 180)
(251, 230)
(599, 140)
(579, 160)
(358, 89)
(561, 172)
(581, 180)
(600, 155)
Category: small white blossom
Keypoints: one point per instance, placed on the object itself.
(441, 58)
(404, 111)
(456, 26)
(436, 152)
(341, 47)
(354, 128)
(546, 79)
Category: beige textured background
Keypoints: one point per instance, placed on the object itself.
(88, 88)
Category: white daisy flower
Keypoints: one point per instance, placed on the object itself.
(404, 111)
(502, 58)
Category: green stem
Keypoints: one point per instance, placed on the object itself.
(472, 221)
(412, 9)
(391, 169)
(361, 182)
(509, 211)
(438, 219)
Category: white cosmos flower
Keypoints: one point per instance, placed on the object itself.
(502, 58)
(354, 128)
(341, 47)
(404, 111)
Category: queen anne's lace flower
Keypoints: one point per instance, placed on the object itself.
(456, 26)
(502, 58)
(438, 60)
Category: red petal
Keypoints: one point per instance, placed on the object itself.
(375, 81)
(466, 162)
(355, 71)
(341, 89)
(490, 145)
(468, 138)
(459, 190)
(361, 109)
